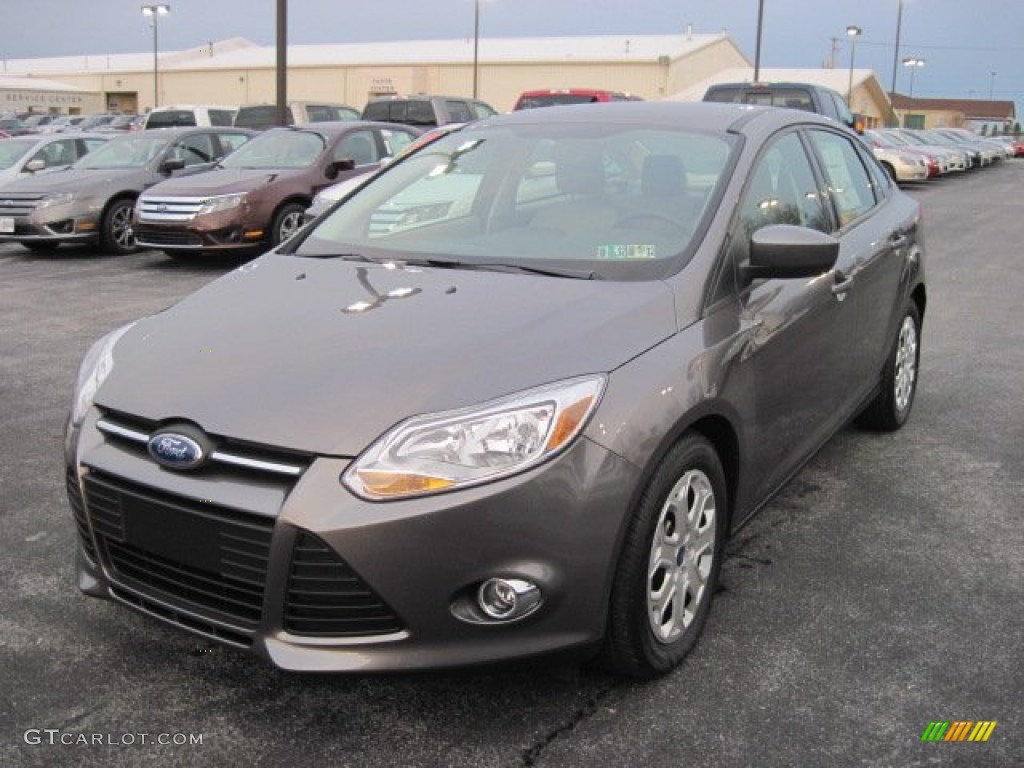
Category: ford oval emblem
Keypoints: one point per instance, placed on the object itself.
(175, 451)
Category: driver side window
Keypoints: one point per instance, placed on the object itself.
(782, 190)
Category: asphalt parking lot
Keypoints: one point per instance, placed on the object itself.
(882, 590)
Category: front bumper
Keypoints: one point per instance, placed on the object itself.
(250, 559)
(234, 230)
(67, 223)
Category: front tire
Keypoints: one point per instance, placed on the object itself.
(669, 565)
(891, 407)
(117, 237)
(287, 222)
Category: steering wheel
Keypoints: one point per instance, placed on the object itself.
(635, 219)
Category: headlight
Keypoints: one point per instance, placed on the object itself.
(222, 203)
(58, 198)
(96, 366)
(456, 449)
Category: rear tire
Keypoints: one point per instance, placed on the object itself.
(117, 237)
(891, 407)
(669, 564)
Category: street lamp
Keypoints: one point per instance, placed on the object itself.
(912, 63)
(991, 86)
(154, 11)
(853, 32)
(476, 42)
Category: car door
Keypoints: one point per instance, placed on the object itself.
(874, 238)
(794, 362)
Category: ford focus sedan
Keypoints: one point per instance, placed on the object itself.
(508, 397)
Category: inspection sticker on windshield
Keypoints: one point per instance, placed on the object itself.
(625, 251)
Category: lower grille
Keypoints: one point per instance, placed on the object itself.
(161, 238)
(327, 598)
(78, 511)
(208, 560)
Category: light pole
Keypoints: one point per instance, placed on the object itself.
(991, 86)
(853, 32)
(154, 11)
(757, 47)
(912, 63)
(476, 42)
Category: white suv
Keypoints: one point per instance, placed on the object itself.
(189, 115)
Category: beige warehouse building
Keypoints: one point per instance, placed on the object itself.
(237, 71)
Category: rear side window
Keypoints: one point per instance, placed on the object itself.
(263, 116)
(458, 111)
(376, 110)
(222, 116)
(420, 113)
(171, 118)
(229, 142)
(793, 98)
(850, 186)
(481, 110)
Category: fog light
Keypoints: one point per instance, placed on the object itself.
(507, 599)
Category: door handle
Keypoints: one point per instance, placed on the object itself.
(842, 285)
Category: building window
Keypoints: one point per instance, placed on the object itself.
(913, 121)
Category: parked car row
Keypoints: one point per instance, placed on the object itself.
(910, 154)
(181, 190)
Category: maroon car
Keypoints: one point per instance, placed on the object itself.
(255, 198)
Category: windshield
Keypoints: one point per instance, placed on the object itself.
(278, 149)
(125, 152)
(619, 201)
(12, 150)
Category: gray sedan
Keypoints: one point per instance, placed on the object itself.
(522, 416)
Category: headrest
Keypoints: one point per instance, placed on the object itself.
(662, 175)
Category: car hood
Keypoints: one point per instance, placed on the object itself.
(324, 355)
(222, 181)
(79, 180)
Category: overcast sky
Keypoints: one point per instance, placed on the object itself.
(962, 41)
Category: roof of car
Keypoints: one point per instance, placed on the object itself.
(703, 115)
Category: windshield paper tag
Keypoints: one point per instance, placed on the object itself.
(626, 251)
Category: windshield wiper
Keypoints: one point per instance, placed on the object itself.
(575, 274)
(360, 257)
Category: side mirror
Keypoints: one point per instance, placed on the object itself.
(336, 167)
(35, 165)
(170, 166)
(786, 251)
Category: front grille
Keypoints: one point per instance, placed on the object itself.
(166, 208)
(19, 204)
(327, 598)
(132, 433)
(159, 238)
(198, 557)
(78, 511)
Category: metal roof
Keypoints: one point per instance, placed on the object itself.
(239, 53)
